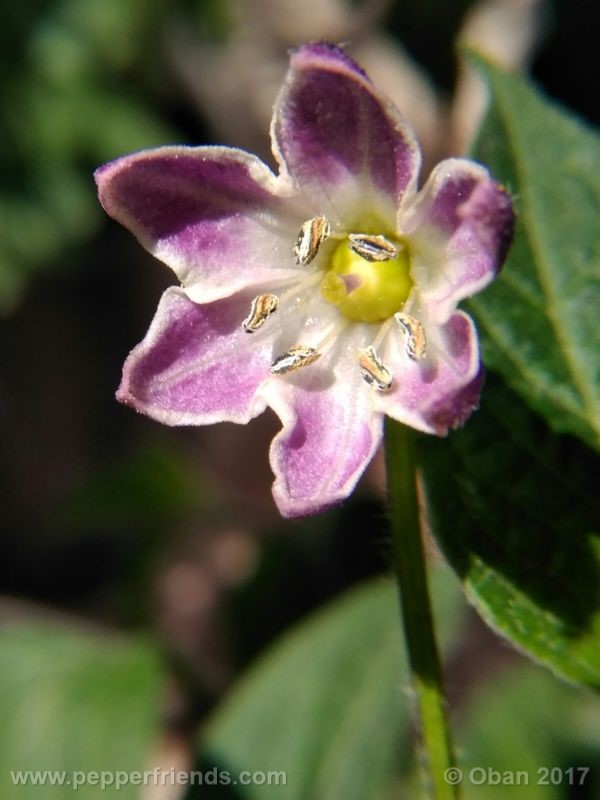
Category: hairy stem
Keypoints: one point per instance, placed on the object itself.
(411, 569)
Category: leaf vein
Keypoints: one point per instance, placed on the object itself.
(541, 260)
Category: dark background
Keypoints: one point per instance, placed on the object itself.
(106, 514)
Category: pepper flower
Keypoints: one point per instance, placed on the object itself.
(327, 292)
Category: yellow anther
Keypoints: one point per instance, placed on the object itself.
(416, 341)
(295, 358)
(261, 309)
(373, 370)
(312, 235)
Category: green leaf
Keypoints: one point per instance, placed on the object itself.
(74, 701)
(330, 695)
(540, 318)
(522, 731)
(516, 510)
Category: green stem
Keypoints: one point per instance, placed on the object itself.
(409, 558)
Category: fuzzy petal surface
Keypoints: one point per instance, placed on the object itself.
(343, 142)
(440, 392)
(217, 216)
(459, 230)
(330, 433)
(196, 365)
(329, 363)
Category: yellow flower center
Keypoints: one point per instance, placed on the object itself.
(367, 290)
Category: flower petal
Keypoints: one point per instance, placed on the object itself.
(217, 216)
(341, 140)
(441, 391)
(329, 435)
(196, 366)
(458, 230)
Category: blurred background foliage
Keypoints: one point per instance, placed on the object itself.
(143, 568)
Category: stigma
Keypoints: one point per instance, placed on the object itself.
(368, 277)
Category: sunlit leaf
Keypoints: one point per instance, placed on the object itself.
(540, 319)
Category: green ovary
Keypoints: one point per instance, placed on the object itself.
(367, 291)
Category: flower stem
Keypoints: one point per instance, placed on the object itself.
(409, 558)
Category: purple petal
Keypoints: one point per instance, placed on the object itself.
(331, 126)
(459, 231)
(212, 214)
(196, 366)
(441, 391)
(330, 433)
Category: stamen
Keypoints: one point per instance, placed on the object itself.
(312, 235)
(261, 309)
(374, 372)
(409, 303)
(295, 358)
(416, 341)
(332, 333)
(300, 286)
(382, 333)
(372, 248)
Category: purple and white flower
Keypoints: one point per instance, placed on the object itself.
(327, 292)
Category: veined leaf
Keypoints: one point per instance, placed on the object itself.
(328, 705)
(517, 513)
(540, 318)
